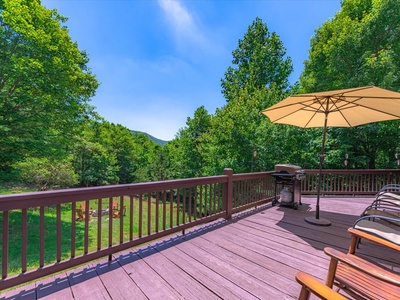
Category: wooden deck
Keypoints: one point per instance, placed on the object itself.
(253, 256)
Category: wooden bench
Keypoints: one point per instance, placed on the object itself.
(355, 276)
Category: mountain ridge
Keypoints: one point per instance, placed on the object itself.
(154, 139)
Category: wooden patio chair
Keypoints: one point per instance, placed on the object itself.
(80, 214)
(83, 207)
(117, 212)
(115, 204)
(310, 285)
(358, 278)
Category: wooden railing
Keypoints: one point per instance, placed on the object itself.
(349, 182)
(46, 232)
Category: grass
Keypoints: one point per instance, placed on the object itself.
(14, 188)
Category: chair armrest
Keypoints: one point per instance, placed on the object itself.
(364, 266)
(310, 284)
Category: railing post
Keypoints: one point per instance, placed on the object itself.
(227, 194)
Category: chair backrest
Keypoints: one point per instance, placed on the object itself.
(115, 204)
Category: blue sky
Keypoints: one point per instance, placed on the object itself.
(159, 60)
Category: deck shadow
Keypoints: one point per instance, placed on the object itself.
(335, 235)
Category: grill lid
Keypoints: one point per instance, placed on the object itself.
(287, 168)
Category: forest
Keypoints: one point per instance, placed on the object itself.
(52, 137)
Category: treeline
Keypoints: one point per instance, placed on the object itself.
(51, 136)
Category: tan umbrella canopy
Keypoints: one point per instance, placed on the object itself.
(340, 108)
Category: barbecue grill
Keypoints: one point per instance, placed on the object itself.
(288, 179)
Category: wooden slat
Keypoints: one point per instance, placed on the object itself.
(131, 199)
(24, 240)
(164, 210)
(99, 222)
(117, 282)
(4, 263)
(86, 231)
(157, 211)
(41, 237)
(59, 285)
(73, 229)
(216, 282)
(86, 284)
(58, 222)
(149, 219)
(175, 276)
(148, 281)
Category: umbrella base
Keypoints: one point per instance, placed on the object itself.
(318, 222)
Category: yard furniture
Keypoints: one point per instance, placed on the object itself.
(353, 275)
(375, 232)
(80, 214)
(310, 285)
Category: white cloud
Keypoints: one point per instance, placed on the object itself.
(183, 24)
(177, 14)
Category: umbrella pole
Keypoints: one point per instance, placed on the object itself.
(317, 220)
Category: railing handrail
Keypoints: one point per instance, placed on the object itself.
(42, 198)
(349, 181)
(180, 204)
(352, 171)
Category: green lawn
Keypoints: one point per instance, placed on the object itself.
(11, 188)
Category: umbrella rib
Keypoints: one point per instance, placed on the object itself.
(340, 109)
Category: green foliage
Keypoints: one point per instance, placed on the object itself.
(237, 137)
(190, 155)
(94, 165)
(144, 156)
(360, 46)
(45, 84)
(46, 120)
(260, 62)
(46, 173)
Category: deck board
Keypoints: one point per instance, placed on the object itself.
(117, 281)
(253, 256)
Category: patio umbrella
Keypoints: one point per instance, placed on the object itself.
(340, 108)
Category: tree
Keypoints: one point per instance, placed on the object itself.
(360, 46)
(144, 155)
(191, 156)
(260, 62)
(46, 173)
(94, 165)
(259, 80)
(119, 142)
(45, 84)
